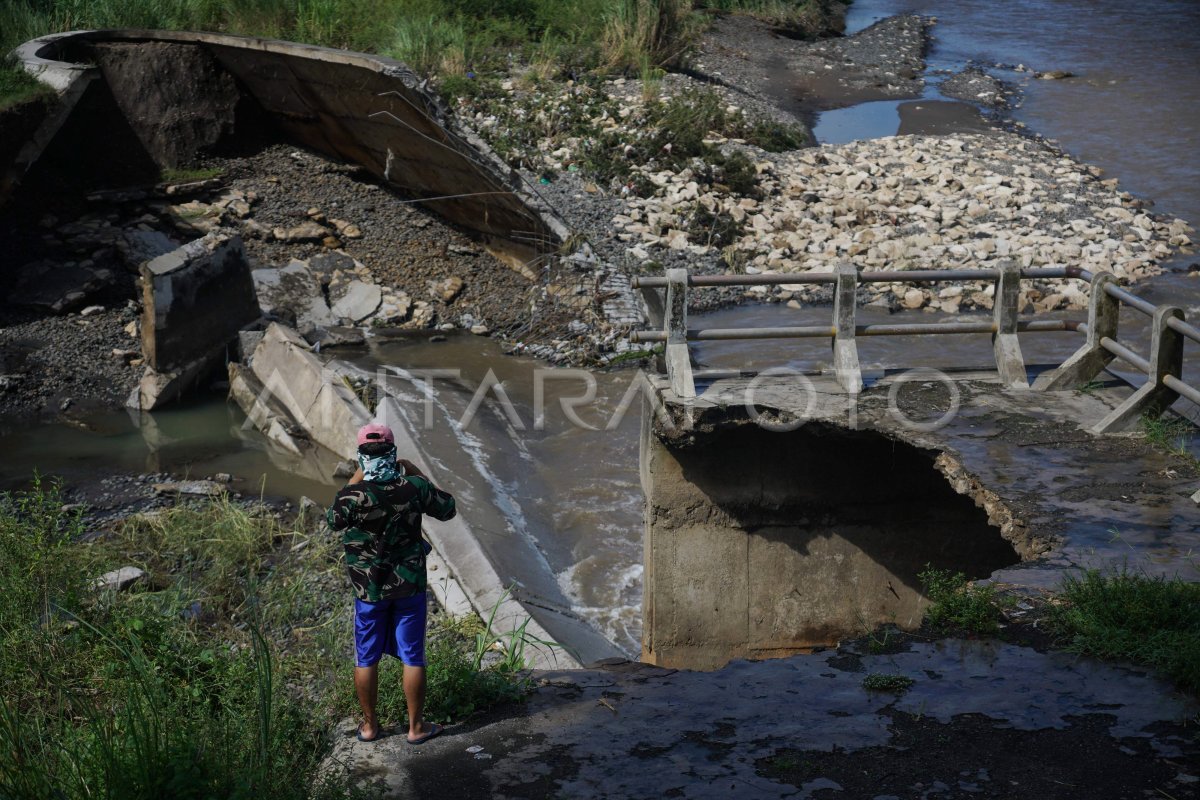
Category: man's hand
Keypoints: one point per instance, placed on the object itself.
(357, 477)
(410, 468)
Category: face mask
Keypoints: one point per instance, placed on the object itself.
(381, 467)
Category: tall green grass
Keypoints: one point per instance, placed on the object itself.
(435, 37)
(218, 676)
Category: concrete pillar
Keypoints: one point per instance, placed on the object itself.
(679, 360)
(845, 349)
(656, 313)
(1006, 307)
(1104, 312)
(1166, 358)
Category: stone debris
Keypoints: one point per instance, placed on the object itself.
(203, 488)
(119, 579)
(355, 300)
(913, 202)
(447, 289)
(304, 232)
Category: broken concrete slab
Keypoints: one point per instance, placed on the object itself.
(293, 294)
(355, 300)
(138, 247)
(195, 299)
(313, 394)
(157, 389)
(118, 579)
(264, 411)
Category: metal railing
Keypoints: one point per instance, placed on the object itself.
(666, 300)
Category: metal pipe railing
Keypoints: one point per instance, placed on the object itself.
(1181, 388)
(1125, 354)
(1179, 326)
(882, 276)
(1131, 300)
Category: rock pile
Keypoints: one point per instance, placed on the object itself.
(916, 203)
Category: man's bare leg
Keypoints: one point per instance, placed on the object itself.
(366, 685)
(414, 696)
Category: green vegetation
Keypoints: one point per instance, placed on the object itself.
(1173, 434)
(1129, 617)
(956, 605)
(879, 682)
(218, 675)
(190, 175)
(436, 37)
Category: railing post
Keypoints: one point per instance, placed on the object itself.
(1166, 358)
(677, 357)
(1009, 361)
(1104, 312)
(845, 349)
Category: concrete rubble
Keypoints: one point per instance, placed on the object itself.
(194, 301)
(119, 580)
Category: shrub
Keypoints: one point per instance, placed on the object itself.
(1129, 617)
(955, 605)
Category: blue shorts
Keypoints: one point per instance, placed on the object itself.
(395, 627)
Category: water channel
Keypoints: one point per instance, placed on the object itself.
(571, 491)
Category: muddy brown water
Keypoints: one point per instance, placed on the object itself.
(570, 494)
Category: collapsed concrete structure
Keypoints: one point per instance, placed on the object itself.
(783, 513)
(195, 300)
(167, 96)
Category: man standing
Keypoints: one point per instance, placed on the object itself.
(379, 514)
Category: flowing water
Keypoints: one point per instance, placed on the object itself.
(568, 494)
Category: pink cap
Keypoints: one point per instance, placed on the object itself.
(375, 433)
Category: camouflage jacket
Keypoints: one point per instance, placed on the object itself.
(381, 533)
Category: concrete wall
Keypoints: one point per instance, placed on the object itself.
(762, 544)
(178, 88)
(195, 300)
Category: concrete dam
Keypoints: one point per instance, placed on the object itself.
(782, 511)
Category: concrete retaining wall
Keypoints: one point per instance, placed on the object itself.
(364, 109)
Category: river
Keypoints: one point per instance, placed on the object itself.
(572, 492)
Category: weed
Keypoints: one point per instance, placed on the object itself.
(1127, 616)
(1172, 434)
(879, 682)
(190, 175)
(956, 605)
(882, 639)
(1090, 387)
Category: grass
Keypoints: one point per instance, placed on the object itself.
(1126, 616)
(956, 605)
(1172, 434)
(879, 682)
(441, 38)
(218, 676)
(176, 175)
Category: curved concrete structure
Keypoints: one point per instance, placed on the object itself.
(183, 92)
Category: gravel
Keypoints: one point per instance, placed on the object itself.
(66, 364)
(404, 246)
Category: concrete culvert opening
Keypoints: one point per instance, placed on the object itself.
(762, 544)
